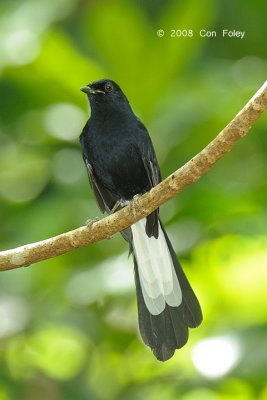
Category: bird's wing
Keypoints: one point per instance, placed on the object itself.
(153, 173)
(148, 155)
(104, 198)
(151, 166)
(94, 186)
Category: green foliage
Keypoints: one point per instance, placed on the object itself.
(68, 326)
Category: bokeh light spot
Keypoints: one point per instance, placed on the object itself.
(23, 174)
(68, 166)
(64, 121)
(21, 47)
(14, 315)
(58, 350)
(110, 277)
(215, 357)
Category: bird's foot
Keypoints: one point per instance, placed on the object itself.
(90, 222)
(133, 204)
(117, 206)
(136, 196)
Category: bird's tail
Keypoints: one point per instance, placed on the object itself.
(167, 305)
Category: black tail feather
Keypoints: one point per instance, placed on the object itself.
(190, 308)
(168, 331)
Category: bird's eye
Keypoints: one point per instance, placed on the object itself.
(108, 87)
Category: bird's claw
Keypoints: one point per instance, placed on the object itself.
(133, 204)
(136, 196)
(90, 222)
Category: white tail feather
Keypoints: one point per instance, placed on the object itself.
(158, 279)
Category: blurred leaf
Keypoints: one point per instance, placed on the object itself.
(59, 351)
(23, 175)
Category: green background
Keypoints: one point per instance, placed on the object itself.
(68, 326)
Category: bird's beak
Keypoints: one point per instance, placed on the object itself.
(88, 90)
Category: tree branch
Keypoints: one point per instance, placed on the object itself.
(143, 205)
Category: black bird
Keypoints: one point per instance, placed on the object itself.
(121, 163)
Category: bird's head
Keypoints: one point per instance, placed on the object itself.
(105, 94)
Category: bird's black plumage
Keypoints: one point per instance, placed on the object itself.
(121, 163)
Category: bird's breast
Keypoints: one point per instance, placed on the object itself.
(118, 163)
